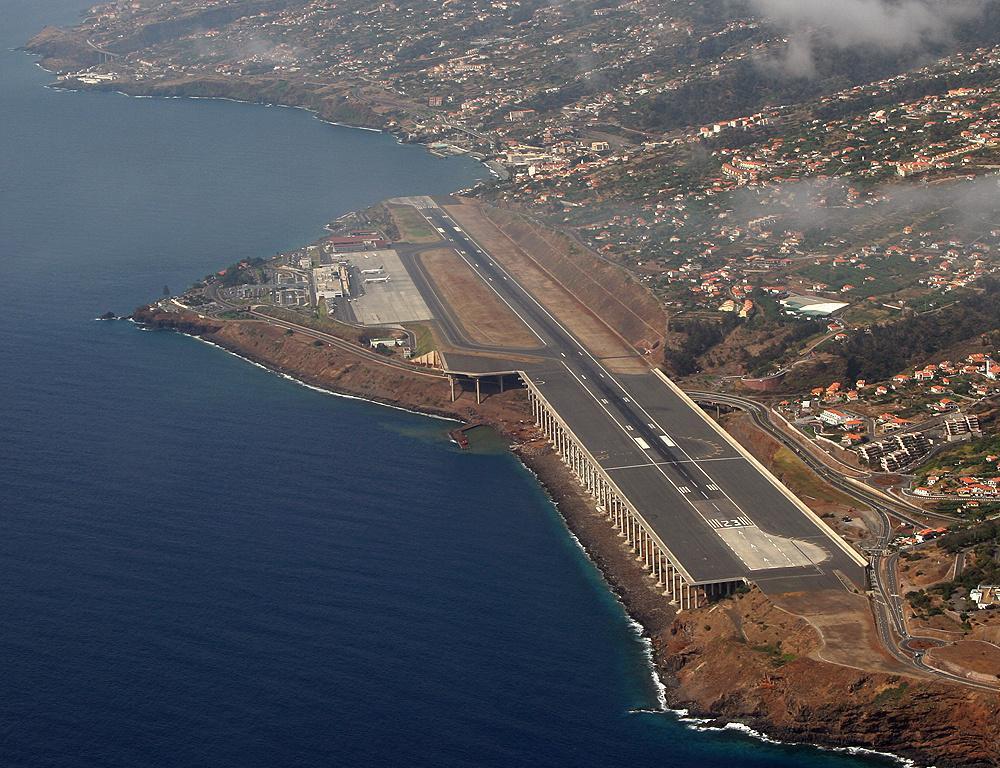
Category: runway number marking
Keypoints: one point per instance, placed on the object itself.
(734, 522)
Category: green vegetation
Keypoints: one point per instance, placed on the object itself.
(245, 272)
(424, 338)
(964, 459)
(778, 657)
(412, 227)
(895, 346)
(325, 324)
(891, 695)
(804, 482)
(699, 337)
(981, 543)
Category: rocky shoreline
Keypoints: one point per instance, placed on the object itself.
(743, 660)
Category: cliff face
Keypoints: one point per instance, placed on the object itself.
(743, 659)
(762, 670)
(338, 370)
(62, 49)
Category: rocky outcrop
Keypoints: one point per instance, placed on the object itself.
(186, 322)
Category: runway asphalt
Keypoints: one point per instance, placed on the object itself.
(722, 517)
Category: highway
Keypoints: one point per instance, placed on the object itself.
(722, 516)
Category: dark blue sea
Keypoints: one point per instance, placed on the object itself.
(203, 564)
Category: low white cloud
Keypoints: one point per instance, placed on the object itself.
(888, 25)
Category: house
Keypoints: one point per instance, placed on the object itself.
(944, 405)
(833, 418)
(985, 596)
(929, 533)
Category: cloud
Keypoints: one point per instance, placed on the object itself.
(887, 25)
(963, 204)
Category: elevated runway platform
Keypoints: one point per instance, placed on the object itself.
(701, 512)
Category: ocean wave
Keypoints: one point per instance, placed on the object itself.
(634, 625)
(707, 725)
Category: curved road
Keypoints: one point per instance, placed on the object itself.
(887, 604)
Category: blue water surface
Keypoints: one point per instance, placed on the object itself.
(203, 564)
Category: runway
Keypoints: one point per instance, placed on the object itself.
(722, 514)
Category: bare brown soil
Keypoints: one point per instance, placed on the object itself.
(929, 565)
(603, 343)
(845, 627)
(740, 659)
(485, 318)
(971, 658)
(610, 291)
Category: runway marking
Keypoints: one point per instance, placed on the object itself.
(670, 443)
(736, 522)
(684, 489)
(581, 350)
(641, 443)
(668, 463)
(492, 288)
(712, 487)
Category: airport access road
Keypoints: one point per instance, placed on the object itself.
(721, 513)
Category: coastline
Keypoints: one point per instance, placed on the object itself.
(711, 677)
(866, 718)
(57, 51)
(314, 112)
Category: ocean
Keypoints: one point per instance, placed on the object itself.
(204, 564)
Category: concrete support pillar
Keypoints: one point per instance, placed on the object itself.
(479, 399)
(451, 381)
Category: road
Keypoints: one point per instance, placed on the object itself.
(329, 338)
(888, 604)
